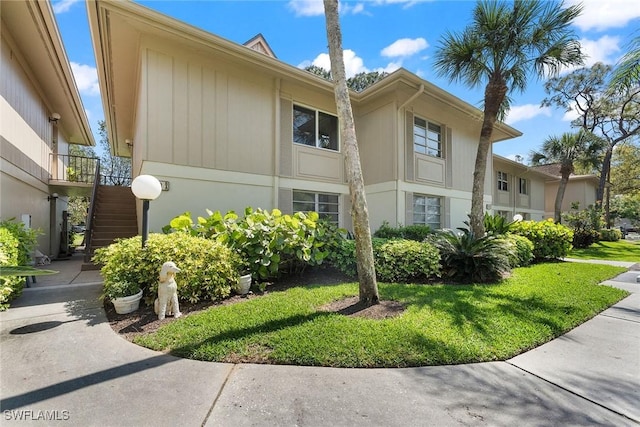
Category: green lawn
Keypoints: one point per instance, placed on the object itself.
(621, 250)
(442, 324)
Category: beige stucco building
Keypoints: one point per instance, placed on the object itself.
(580, 189)
(519, 189)
(40, 114)
(229, 126)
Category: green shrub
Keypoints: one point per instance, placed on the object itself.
(415, 232)
(269, 243)
(586, 225)
(10, 286)
(497, 224)
(522, 250)
(395, 260)
(550, 240)
(27, 239)
(406, 261)
(386, 231)
(343, 255)
(208, 269)
(610, 234)
(469, 259)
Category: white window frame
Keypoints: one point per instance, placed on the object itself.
(428, 146)
(424, 211)
(503, 181)
(317, 112)
(333, 216)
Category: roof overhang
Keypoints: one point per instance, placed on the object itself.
(31, 26)
(118, 26)
(501, 130)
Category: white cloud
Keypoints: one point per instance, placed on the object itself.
(63, 6)
(307, 7)
(86, 78)
(404, 47)
(353, 64)
(606, 50)
(390, 68)
(571, 114)
(519, 113)
(602, 50)
(603, 14)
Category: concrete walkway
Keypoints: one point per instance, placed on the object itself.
(61, 361)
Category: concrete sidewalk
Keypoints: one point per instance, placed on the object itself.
(60, 360)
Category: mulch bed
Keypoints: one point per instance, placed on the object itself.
(145, 321)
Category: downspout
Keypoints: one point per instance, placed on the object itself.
(401, 162)
(276, 148)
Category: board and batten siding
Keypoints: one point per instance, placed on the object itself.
(26, 131)
(376, 133)
(205, 116)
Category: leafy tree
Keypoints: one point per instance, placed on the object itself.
(568, 149)
(357, 83)
(113, 169)
(626, 206)
(625, 169)
(368, 289)
(610, 112)
(503, 45)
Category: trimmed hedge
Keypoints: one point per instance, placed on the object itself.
(411, 232)
(610, 234)
(395, 260)
(208, 269)
(522, 250)
(550, 240)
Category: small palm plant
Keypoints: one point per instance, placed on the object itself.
(466, 258)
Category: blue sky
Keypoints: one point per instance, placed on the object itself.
(377, 35)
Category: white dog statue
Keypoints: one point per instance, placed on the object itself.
(167, 301)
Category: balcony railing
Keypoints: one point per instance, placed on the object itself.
(69, 168)
(80, 169)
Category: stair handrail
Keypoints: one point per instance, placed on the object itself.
(89, 225)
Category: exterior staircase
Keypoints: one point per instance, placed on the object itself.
(114, 217)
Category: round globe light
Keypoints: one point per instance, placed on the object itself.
(146, 187)
(517, 217)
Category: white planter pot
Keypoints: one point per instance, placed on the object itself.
(128, 304)
(244, 284)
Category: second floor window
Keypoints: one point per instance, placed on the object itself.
(315, 128)
(503, 181)
(523, 186)
(427, 137)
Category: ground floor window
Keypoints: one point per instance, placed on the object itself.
(427, 210)
(327, 205)
(504, 214)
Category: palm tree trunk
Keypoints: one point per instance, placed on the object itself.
(359, 211)
(557, 207)
(494, 96)
(604, 174)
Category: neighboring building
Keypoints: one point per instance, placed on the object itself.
(229, 126)
(580, 189)
(40, 114)
(518, 189)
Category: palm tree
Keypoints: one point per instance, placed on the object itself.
(571, 148)
(359, 213)
(627, 72)
(505, 43)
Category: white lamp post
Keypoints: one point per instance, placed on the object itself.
(146, 188)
